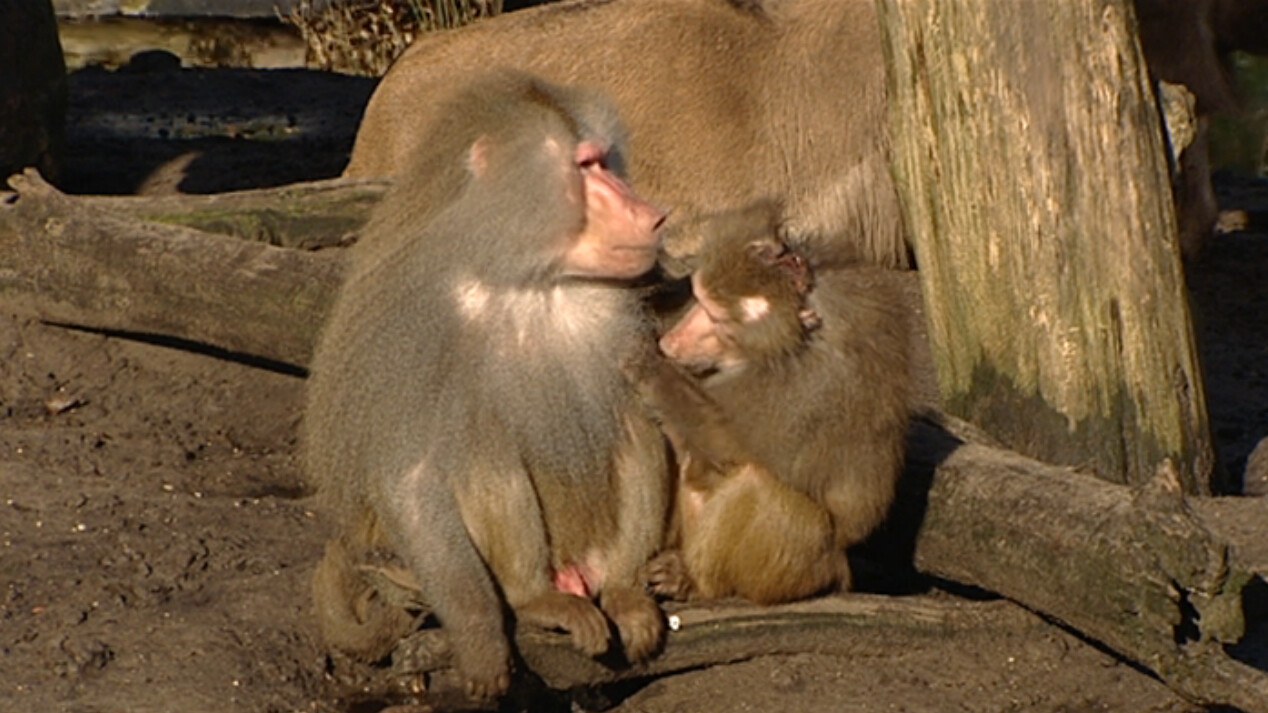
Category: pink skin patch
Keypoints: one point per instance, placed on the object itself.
(589, 152)
(572, 579)
(700, 341)
(621, 237)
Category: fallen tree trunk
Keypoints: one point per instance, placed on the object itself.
(1130, 568)
(66, 260)
(302, 215)
(858, 626)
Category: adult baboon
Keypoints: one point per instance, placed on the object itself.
(468, 404)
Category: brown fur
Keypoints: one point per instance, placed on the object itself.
(738, 530)
(353, 617)
(733, 100)
(791, 442)
(757, 538)
(467, 396)
(727, 103)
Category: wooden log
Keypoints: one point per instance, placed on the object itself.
(67, 261)
(853, 625)
(1132, 568)
(307, 216)
(1031, 166)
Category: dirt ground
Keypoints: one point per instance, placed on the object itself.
(156, 535)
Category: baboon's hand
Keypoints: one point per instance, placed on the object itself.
(638, 618)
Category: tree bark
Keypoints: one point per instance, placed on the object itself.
(1132, 568)
(302, 215)
(66, 261)
(1031, 166)
(857, 625)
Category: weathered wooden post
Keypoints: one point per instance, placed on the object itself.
(1030, 159)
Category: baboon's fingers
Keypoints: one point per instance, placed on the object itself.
(576, 615)
(666, 576)
(638, 618)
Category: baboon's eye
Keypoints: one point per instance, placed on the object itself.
(590, 155)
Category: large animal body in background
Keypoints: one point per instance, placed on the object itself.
(730, 101)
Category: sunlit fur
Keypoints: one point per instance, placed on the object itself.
(728, 102)
(469, 393)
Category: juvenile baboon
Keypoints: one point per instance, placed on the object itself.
(791, 449)
(468, 404)
(737, 529)
(798, 87)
